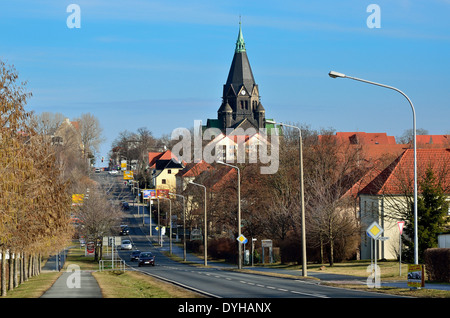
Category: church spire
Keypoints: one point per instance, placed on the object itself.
(240, 44)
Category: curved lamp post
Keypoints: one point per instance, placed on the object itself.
(205, 239)
(184, 223)
(239, 211)
(302, 194)
(334, 74)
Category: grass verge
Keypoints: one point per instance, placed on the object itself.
(133, 284)
(35, 286)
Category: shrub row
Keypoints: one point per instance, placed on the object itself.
(437, 264)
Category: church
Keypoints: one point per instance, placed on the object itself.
(241, 106)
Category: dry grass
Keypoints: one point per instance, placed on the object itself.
(35, 286)
(133, 284)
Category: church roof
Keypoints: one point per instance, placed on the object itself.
(240, 71)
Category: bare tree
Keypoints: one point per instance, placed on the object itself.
(46, 123)
(91, 133)
(99, 217)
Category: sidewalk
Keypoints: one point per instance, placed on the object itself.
(68, 285)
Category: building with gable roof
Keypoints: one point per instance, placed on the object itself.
(390, 191)
(68, 135)
(164, 167)
(189, 173)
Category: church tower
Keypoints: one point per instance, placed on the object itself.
(241, 106)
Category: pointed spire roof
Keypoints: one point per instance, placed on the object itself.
(240, 44)
(240, 70)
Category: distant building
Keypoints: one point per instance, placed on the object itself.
(68, 136)
(241, 106)
(164, 167)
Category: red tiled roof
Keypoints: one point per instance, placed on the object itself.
(194, 169)
(433, 139)
(155, 156)
(363, 138)
(399, 175)
(226, 178)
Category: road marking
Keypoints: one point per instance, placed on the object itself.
(308, 294)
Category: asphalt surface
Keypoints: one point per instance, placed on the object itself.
(214, 280)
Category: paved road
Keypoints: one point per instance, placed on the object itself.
(216, 282)
(213, 280)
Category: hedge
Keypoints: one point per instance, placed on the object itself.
(437, 264)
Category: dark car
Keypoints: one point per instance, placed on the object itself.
(146, 258)
(134, 256)
(125, 206)
(124, 230)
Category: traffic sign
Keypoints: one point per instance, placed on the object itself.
(374, 230)
(401, 224)
(242, 239)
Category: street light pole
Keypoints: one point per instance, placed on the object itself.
(170, 224)
(205, 239)
(334, 74)
(302, 195)
(239, 212)
(184, 223)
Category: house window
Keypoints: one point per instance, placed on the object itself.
(169, 171)
(163, 181)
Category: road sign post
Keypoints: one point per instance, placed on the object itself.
(374, 231)
(401, 224)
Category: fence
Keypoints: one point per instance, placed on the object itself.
(107, 265)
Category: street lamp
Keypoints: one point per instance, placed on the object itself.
(334, 74)
(239, 211)
(170, 224)
(205, 239)
(302, 194)
(184, 223)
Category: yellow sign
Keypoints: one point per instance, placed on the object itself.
(77, 199)
(128, 175)
(416, 277)
(374, 230)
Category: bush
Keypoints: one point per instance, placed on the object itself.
(223, 248)
(437, 264)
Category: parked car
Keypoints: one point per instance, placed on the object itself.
(125, 205)
(126, 245)
(146, 258)
(113, 172)
(134, 256)
(97, 170)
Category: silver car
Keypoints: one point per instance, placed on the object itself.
(126, 245)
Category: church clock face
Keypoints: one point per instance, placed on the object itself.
(243, 92)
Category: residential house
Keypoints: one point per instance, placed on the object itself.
(389, 193)
(68, 135)
(189, 173)
(164, 167)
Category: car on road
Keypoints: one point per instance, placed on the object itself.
(97, 170)
(126, 245)
(125, 205)
(124, 230)
(146, 258)
(134, 256)
(113, 172)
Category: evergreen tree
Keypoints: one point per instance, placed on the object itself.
(432, 209)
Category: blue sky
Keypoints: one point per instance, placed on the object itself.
(162, 64)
